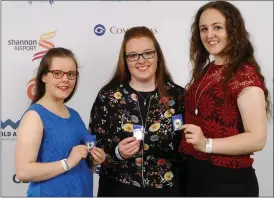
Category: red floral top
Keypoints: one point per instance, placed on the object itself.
(218, 113)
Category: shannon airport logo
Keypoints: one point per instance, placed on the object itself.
(23, 45)
(8, 129)
(100, 30)
(45, 44)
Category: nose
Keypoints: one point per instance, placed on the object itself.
(141, 59)
(65, 77)
(210, 33)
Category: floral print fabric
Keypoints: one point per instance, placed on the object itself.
(112, 117)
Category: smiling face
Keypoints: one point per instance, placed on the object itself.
(144, 68)
(57, 86)
(213, 33)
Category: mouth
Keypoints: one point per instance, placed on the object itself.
(63, 88)
(142, 68)
(212, 43)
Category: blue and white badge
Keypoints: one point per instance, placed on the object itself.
(177, 121)
(90, 141)
(138, 132)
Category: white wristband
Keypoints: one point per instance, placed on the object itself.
(117, 153)
(208, 146)
(65, 164)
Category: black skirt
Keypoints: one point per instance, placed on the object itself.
(111, 188)
(206, 180)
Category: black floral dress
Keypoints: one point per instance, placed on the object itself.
(114, 113)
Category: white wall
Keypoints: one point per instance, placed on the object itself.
(74, 24)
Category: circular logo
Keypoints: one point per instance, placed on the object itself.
(31, 88)
(99, 30)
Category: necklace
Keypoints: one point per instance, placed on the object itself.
(145, 99)
(197, 101)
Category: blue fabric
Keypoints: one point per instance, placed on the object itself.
(60, 135)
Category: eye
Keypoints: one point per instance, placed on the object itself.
(217, 27)
(149, 53)
(72, 74)
(57, 73)
(203, 29)
(132, 56)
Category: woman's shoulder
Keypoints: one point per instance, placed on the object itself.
(110, 88)
(175, 87)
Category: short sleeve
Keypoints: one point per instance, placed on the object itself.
(246, 77)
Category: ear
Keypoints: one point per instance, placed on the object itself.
(44, 78)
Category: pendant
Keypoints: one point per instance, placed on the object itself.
(145, 103)
(196, 111)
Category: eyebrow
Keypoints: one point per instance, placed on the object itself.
(149, 49)
(213, 24)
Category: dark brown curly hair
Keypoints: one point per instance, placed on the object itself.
(238, 51)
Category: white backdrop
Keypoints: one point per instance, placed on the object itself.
(71, 25)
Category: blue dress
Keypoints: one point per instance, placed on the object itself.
(60, 135)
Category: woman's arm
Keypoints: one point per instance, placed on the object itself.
(30, 133)
(251, 103)
(252, 107)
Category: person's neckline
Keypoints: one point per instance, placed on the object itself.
(217, 65)
(64, 118)
(144, 92)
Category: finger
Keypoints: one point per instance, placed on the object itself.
(84, 152)
(100, 157)
(82, 147)
(190, 141)
(189, 131)
(134, 151)
(95, 157)
(185, 126)
(98, 150)
(132, 144)
(133, 148)
(127, 140)
(83, 155)
(189, 136)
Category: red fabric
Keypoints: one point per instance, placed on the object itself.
(218, 114)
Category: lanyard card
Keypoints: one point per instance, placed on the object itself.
(138, 132)
(177, 122)
(90, 141)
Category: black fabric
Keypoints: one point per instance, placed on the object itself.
(112, 188)
(206, 180)
(142, 97)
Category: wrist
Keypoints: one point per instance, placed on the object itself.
(65, 165)
(117, 153)
(208, 145)
(71, 165)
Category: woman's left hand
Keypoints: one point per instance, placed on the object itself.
(98, 155)
(194, 135)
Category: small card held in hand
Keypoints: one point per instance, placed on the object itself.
(177, 122)
(138, 132)
(90, 141)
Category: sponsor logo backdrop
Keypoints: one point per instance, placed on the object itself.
(94, 32)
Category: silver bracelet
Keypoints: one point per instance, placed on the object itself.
(208, 146)
(65, 164)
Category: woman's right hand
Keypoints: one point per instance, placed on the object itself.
(128, 147)
(77, 153)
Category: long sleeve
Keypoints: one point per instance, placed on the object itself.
(99, 125)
